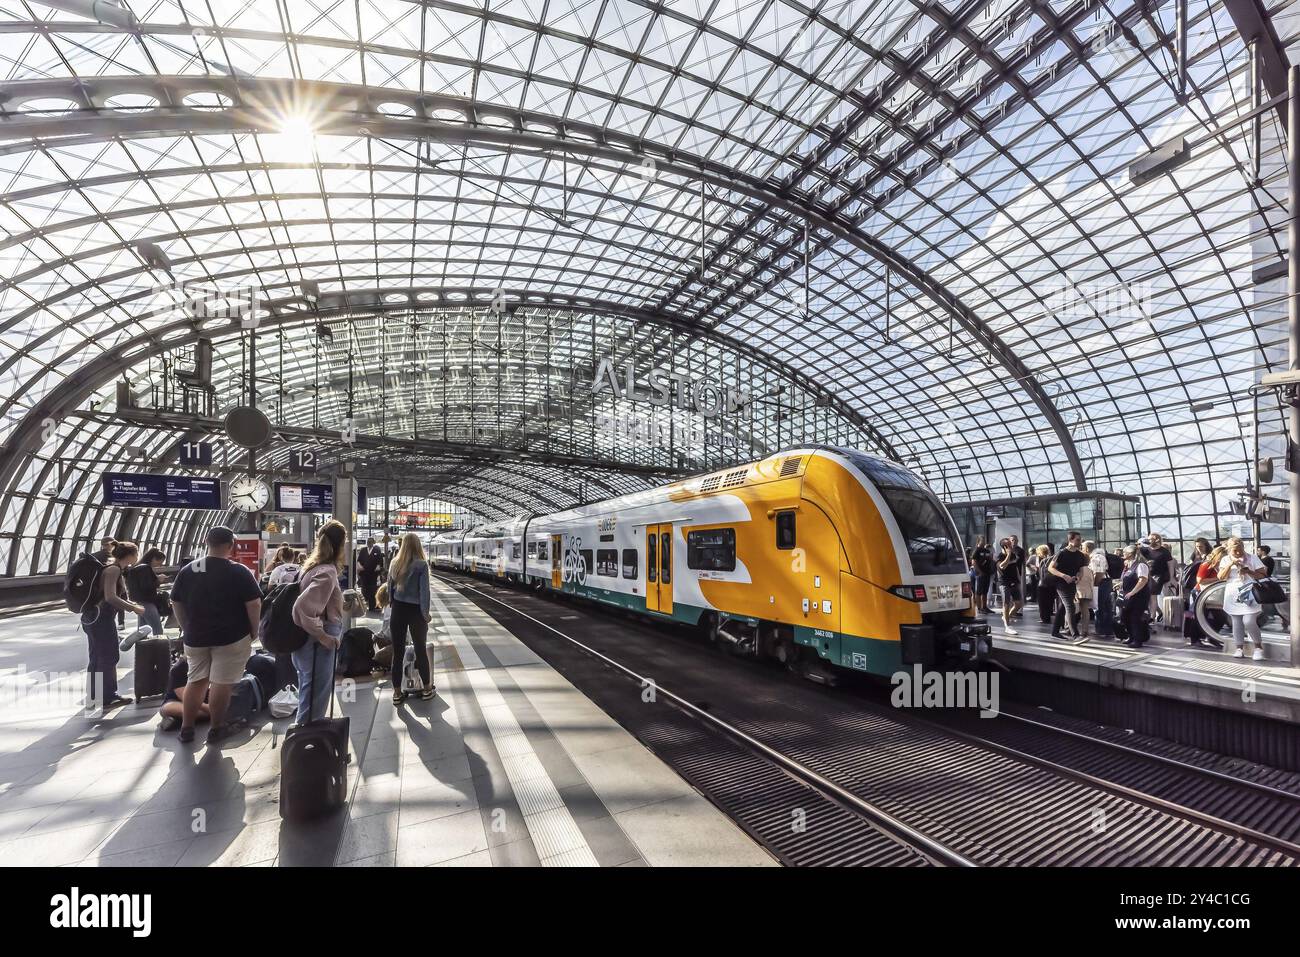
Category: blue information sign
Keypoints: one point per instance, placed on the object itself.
(137, 490)
(310, 497)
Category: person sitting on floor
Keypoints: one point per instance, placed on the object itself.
(172, 711)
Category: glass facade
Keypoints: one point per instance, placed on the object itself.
(1109, 520)
(918, 217)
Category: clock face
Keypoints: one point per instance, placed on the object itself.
(248, 494)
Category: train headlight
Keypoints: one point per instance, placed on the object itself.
(909, 592)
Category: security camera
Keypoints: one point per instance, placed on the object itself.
(1287, 379)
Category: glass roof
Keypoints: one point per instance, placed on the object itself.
(924, 210)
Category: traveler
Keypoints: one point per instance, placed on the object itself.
(219, 605)
(1046, 590)
(982, 564)
(287, 567)
(1084, 593)
(142, 583)
(1063, 570)
(1103, 586)
(1271, 610)
(319, 612)
(1239, 570)
(408, 592)
(1021, 558)
(1009, 574)
(172, 710)
(1135, 587)
(370, 563)
(1161, 561)
(100, 626)
(1190, 585)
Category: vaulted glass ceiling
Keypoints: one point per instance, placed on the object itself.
(923, 209)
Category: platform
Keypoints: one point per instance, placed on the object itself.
(1165, 667)
(509, 765)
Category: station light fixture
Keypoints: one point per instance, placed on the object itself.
(1163, 159)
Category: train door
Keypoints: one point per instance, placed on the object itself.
(555, 562)
(659, 568)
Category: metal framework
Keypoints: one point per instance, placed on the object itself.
(915, 217)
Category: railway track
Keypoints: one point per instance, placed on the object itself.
(1028, 793)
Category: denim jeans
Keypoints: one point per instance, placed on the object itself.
(315, 665)
(151, 617)
(101, 668)
(1105, 608)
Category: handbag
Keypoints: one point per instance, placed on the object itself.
(412, 683)
(284, 702)
(1270, 592)
(1248, 594)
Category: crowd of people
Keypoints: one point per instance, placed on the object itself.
(1081, 587)
(218, 604)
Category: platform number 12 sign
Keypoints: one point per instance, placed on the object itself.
(195, 454)
(304, 461)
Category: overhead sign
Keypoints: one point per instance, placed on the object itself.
(195, 454)
(304, 461)
(310, 497)
(142, 490)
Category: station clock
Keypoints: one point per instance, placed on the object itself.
(249, 494)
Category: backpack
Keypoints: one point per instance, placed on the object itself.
(278, 632)
(1114, 566)
(81, 586)
(356, 653)
(263, 668)
(246, 699)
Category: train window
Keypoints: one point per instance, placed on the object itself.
(665, 558)
(607, 562)
(586, 560)
(713, 549)
(541, 551)
(629, 563)
(651, 557)
(785, 530)
(532, 549)
(514, 551)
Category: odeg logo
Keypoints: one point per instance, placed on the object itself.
(77, 910)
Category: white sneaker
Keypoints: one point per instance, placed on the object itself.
(1258, 655)
(1238, 653)
(144, 631)
(1012, 631)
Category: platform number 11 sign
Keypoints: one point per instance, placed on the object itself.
(195, 454)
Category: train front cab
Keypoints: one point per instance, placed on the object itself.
(904, 589)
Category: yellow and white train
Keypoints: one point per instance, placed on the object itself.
(819, 555)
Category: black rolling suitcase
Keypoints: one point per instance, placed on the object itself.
(314, 767)
(153, 661)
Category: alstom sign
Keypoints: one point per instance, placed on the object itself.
(676, 390)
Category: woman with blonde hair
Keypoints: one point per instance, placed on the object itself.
(319, 612)
(408, 595)
(1240, 570)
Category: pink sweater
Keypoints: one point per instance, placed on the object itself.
(319, 600)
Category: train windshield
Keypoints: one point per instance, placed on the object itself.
(931, 537)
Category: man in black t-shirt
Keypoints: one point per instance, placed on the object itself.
(982, 562)
(1064, 569)
(219, 606)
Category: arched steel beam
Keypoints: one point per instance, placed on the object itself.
(347, 109)
(79, 386)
